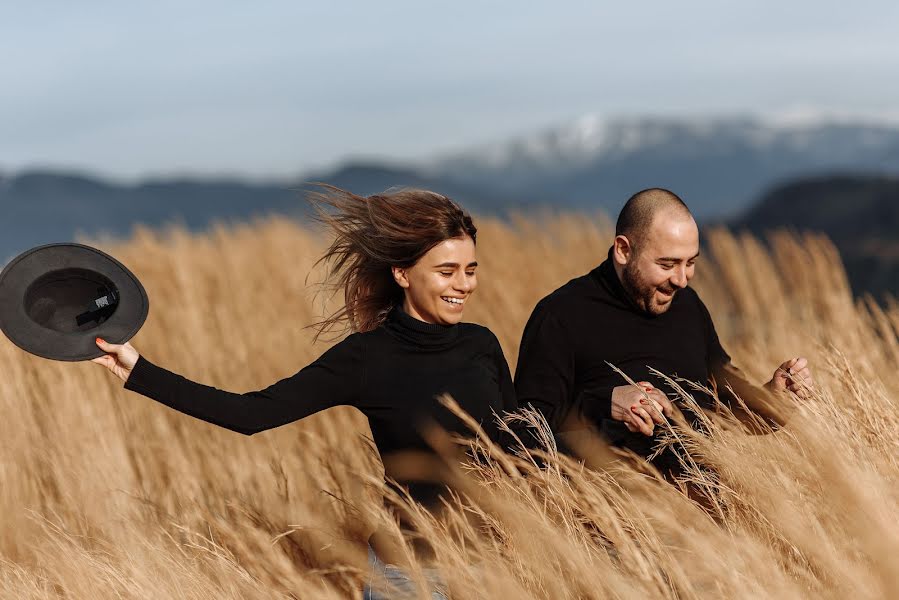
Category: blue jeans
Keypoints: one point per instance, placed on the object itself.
(387, 582)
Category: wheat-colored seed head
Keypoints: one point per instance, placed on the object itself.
(106, 494)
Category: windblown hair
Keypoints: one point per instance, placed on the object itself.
(373, 234)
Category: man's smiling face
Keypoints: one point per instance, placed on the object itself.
(661, 262)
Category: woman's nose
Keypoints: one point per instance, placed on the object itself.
(462, 282)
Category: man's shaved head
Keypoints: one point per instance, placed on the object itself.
(655, 249)
(640, 210)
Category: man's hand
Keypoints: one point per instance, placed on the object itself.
(793, 375)
(640, 407)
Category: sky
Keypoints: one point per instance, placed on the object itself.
(279, 88)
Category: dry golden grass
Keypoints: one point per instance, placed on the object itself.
(106, 494)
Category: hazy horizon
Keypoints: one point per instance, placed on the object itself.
(281, 90)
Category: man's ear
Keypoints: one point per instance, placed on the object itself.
(399, 276)
(622, 250)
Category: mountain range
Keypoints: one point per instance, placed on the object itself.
(721, 166)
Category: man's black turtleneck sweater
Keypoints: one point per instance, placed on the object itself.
(392, 374)
(591, 321)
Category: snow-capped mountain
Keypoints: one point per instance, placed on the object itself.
(718, 165)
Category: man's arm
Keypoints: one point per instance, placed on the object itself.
(544, 377)
(766, 410)
(765, 407)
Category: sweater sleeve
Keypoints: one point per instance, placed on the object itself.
(731, 383)
(333, 379)
(544, 377)
(510, 405)
(507, 388)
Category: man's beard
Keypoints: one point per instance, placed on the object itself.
(642, 292)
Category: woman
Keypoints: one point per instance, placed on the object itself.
(406, 263)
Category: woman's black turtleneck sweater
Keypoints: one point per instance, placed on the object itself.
(392, 374)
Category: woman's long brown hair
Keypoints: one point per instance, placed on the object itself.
(373, 234)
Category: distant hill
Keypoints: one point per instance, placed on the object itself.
(719, 166)
(859, 213)
(367, 179)
(41, 207)
(44, 207)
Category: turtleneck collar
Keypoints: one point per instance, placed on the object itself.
(605, 276)
(419, 332)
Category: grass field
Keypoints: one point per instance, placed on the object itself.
(106, 494)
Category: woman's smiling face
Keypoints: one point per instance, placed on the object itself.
(440, 283)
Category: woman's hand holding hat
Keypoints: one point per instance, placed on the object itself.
(119, 358)
(56, 299)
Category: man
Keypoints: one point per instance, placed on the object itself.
(636, 312)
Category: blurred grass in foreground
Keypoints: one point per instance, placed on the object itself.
(106, 494)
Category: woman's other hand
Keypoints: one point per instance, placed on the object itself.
(119, 358)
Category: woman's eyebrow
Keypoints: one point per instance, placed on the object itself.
(455, 265)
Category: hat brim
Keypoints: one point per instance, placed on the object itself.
(17, 277)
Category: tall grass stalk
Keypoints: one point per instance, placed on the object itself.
(106, 494)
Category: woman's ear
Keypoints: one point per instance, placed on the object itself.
(399, 276)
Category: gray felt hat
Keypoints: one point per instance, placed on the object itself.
(55, 300)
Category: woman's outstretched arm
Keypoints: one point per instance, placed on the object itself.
(334, 379)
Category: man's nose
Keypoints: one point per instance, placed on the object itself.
(679, 278)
